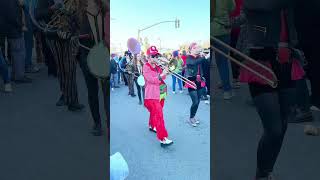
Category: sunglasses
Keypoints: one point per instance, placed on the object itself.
(155, 56)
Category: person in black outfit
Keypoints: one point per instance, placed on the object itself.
(271, 32)
(138, 65)
(308, 28)
(194, 73)
(92, 82)
(43, 13)
(206, 75)
(122, 65)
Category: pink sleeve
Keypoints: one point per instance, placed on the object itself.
(150, 77)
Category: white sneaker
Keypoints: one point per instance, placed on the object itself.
(166, 141)
(8, 88)
(173, 92)
(196, 121)
(181, 92)
(207, 102)
(193, 123)
(227, 95)
(153, 130)
(314, 108)
(236, 85)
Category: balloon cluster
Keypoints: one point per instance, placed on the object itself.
(133, 46)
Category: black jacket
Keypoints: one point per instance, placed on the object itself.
(113, 66)
(10, 19)
(264, 26)
(307, 22)
(192, 66)
(42, 12)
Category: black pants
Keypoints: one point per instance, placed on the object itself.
(140, 90)
(106, 94)
(274, 109)
(49, 58)
(195, 96)
(302, 95)
(312, 55)
(92, 86)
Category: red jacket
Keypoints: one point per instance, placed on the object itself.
(152, 86)
(235, 13)
(184, 58)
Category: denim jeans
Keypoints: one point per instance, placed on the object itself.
(115, 79)
(174, 80)
(28, 40)
(4, 71)
(17, 50)
(274, 109)
(119, 76)
(223, 63)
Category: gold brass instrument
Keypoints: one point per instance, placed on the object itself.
(165, 63)
(272, 82)
(172, 64)
(205, 51)
(60, 20)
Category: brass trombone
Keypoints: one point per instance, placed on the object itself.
(165, 63)
(272, 82)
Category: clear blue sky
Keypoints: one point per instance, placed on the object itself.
(127, 16)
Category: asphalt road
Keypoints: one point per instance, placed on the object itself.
(39, 141)
(187, 159)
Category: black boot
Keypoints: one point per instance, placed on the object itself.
(61, 101)
(75, 107)
(97, 130)
(302, 116)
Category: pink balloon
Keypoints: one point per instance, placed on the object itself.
(133, 46)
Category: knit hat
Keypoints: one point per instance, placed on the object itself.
(175, 53)
(127, 53)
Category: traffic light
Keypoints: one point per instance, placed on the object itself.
(177, 23)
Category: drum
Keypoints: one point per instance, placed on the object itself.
(141, 81)
(98, 61)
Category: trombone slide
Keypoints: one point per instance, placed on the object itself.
(272, 82)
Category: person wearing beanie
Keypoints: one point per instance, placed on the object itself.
(155, 94)
(178, 62)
